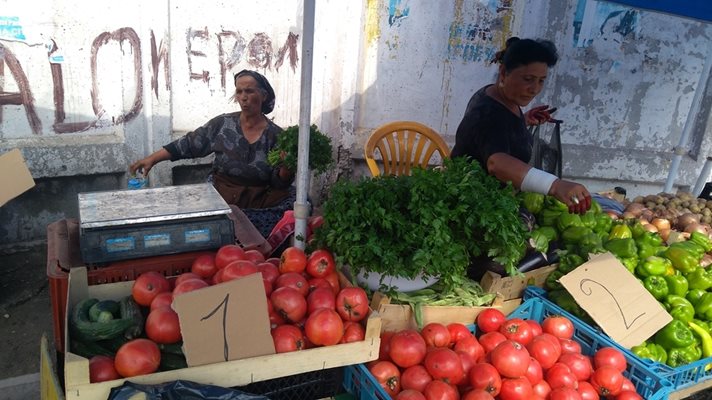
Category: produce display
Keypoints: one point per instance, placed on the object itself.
(665, 247)
(504, 358)
(140, 333)
(286, 151)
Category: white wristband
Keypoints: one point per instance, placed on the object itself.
(537, 181)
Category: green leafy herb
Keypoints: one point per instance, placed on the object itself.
(433, 221)
(285, 152)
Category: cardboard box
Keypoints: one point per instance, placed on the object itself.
(512, 287)
(396, 317)
(226, 374)
(15, 178)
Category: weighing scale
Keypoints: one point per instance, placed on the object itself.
(126, 224)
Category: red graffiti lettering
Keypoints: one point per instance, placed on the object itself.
(24, 96)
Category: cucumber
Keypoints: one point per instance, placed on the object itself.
(130, 310)
(170, 361)
(113, 344)
(82, 328)
(100, 309)
(173, 348)
(89, 349)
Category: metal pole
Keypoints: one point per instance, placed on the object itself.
(702, 179)
(301, 206)
(681, 149)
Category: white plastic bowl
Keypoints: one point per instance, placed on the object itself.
(373, 281)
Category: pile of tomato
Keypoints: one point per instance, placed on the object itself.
(306, 304)
(506, 359)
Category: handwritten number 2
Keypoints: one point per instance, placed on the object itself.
(620, 310)
(222, 304)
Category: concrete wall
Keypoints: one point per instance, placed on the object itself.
(87, 87)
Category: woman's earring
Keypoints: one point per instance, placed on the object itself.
(501, 84)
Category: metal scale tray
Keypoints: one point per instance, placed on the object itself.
(126, 224)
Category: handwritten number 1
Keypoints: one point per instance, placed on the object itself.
(620, 310)
(226, 350)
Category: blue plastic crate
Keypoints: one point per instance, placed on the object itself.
(359, 381)
(681, 377)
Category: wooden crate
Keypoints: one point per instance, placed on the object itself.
(225, 374)
(512, 287)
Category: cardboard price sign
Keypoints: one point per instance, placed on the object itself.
(225, 322)
(615, 299)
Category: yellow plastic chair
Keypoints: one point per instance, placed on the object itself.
(403, 145)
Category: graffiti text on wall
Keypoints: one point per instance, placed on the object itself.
(232, 48)
(478, 30)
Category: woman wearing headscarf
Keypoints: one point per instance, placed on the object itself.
(240, 141)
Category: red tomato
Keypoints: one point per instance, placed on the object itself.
(217, 278)
(320, 263)
(268, 287)
(320, 298)
(490, 340)
(385, 347)
(627, 385)
(101, 369)
(587, 392)
(238, 269)
(162, 300)
(435, 334)
(457, 332)
(569, 346)
(518, 330)
(441, 391)
(352, 303)
(609, 356)
(137, 357)
(333, 280)
(407, 348)
(558, 326)
(273, 260)
(467, 362)
(289, 303)
(204, 266)
(410, 394)
(534, 373)
(545, 350)
(516, 389)
(269, 271)
(162, 326)
(490, 319)
(471, 346)
(353, 332)
(542, 389)
(295, 281)
(293, 259)
(324, 327)
(484, 376)
(535, 327)
(320, 283)
(564, 393)
(227, 254)
(147, 286)
(184, 277)
(607, 380)
(287, 338)
(388, 376)
(189, 286)
(254, 256)
(511, 359)
(444, 364)
(579, 364)
(477, 395)
(560, 375)
(275, 319)
(415, 378)
(628, 395)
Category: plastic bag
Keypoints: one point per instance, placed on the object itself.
(546, 155)
(180, 389)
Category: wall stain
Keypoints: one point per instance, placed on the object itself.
(259, 51)
(157, 54)
(24, 97)
(373, 29)
(289, 46)
(477, 32)
(200, 34)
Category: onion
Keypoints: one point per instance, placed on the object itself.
(686, 219)
(635, 209)
(613, 214)
(706, 260)
(696, 227)
(661, 223)
(629, 215)
(650, 228)
(664, 233)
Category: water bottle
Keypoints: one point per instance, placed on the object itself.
(137, 181)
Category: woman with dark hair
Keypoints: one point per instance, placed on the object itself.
(494, 129)
(240, 141)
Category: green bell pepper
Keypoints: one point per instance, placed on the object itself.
(620, 231)
(588, 219)
(658, 352)
(538, 241)
(680, 356)
(649, 244)
(675, 334)
(643, 351)
(657, 286)
(703, 308)
(622, 247)
(682, 260)
(694, 296)
(565, 300)
(705, 338)
(552, 203)
(591, 244)
(630, 263)
(533, 202)
(547, 217)
(552, 281)
(574, 234)
(568, 262)
(603, 224)
(595, 207)
(702, 240)
(637, 229)
(677, 284)
(549, 232)
(652, 266)
(679, 307)
(699, 278)
(693, 248)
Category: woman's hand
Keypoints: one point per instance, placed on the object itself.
(574, 195)
(539, 114)
(147, 163)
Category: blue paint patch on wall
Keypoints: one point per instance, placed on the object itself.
(396, 12)
(10, 29)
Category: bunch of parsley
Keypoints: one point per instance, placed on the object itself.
(433, 221)
(286, 151)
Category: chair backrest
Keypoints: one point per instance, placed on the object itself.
(403, 145)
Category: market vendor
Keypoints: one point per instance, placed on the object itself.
(240, 141)
(494, 129)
